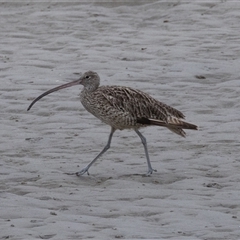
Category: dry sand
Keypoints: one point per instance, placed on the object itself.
(185, 54)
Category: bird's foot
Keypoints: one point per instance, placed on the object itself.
(84, 170)
(150, 171)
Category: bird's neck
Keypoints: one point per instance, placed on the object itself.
(90, 88)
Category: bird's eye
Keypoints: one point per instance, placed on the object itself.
(87, 77)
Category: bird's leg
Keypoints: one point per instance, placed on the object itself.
(144, 142)
(99, 155)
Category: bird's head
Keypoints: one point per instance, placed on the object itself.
(90, 80)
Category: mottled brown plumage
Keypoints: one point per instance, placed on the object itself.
(124, 108)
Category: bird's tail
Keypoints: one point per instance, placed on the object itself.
(174, 124)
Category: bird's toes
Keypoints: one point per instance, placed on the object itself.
(80, 173)
(150, 171)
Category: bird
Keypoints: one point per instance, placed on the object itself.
(121, 108)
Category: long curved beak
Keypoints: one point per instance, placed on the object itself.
(76, 82)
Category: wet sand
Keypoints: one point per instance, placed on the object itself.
(183, 54)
